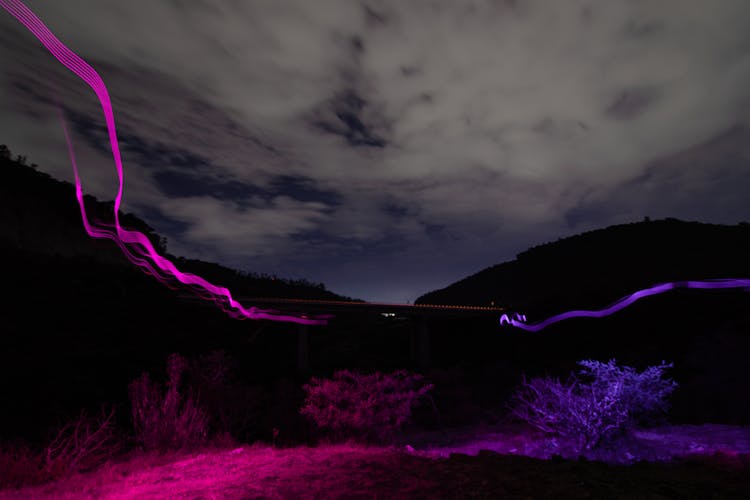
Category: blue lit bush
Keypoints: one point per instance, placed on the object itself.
(599, 401)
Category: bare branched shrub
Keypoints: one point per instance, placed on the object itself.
(582, 414)
(594, 405)
(168, 420)
(369, 407)
(233, 408)
(643, 394)
(81, 445)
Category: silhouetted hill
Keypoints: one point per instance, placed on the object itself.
(593, 269)
(40, 214)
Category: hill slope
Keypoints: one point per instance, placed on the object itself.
(592, 269)
(39, 214)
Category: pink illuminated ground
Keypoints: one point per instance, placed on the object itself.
(719, 466)
(246, 472)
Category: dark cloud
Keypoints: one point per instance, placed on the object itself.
(345, 116)
(631, 102)
(556, 128)
(640, 28)
(304, 189)
(395, 210)
(358, 45)
(167, 225)
(374, 18)
(408, 71)
(137, 149)
(186, 183)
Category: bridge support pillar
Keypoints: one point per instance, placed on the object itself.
(420, 344)
(303, 350)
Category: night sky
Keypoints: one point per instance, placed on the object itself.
(388, 148)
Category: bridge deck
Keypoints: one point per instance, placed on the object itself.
(310, 305)
(305, 306)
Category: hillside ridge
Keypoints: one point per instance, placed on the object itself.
(610, 262)
(39, 215)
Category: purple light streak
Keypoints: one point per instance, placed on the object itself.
(519, 320)
(134, 245)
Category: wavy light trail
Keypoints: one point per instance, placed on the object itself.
(135, 245)
(519, 320)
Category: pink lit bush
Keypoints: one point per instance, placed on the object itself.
(368, 407)
(80, 445)
(594, 405)
(234, 410)
(166, 420)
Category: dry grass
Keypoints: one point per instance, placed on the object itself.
(353, 471)
(19, 466)
(244, 472)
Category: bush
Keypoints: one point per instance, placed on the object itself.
(233, 409)
(368, 407)
(82, 445)
(169, 420)
(79, 446)
(642, 394)
(594, 405)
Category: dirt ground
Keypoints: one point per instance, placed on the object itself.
(657, 444)
(457, 469)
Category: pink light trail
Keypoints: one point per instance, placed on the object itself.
(134, 245)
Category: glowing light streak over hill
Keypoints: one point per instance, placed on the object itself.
(519, 320)
(134, 245)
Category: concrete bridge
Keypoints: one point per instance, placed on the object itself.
(419, 314)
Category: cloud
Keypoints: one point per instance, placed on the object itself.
(321, 133)
(232, 230)
(705, 182)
